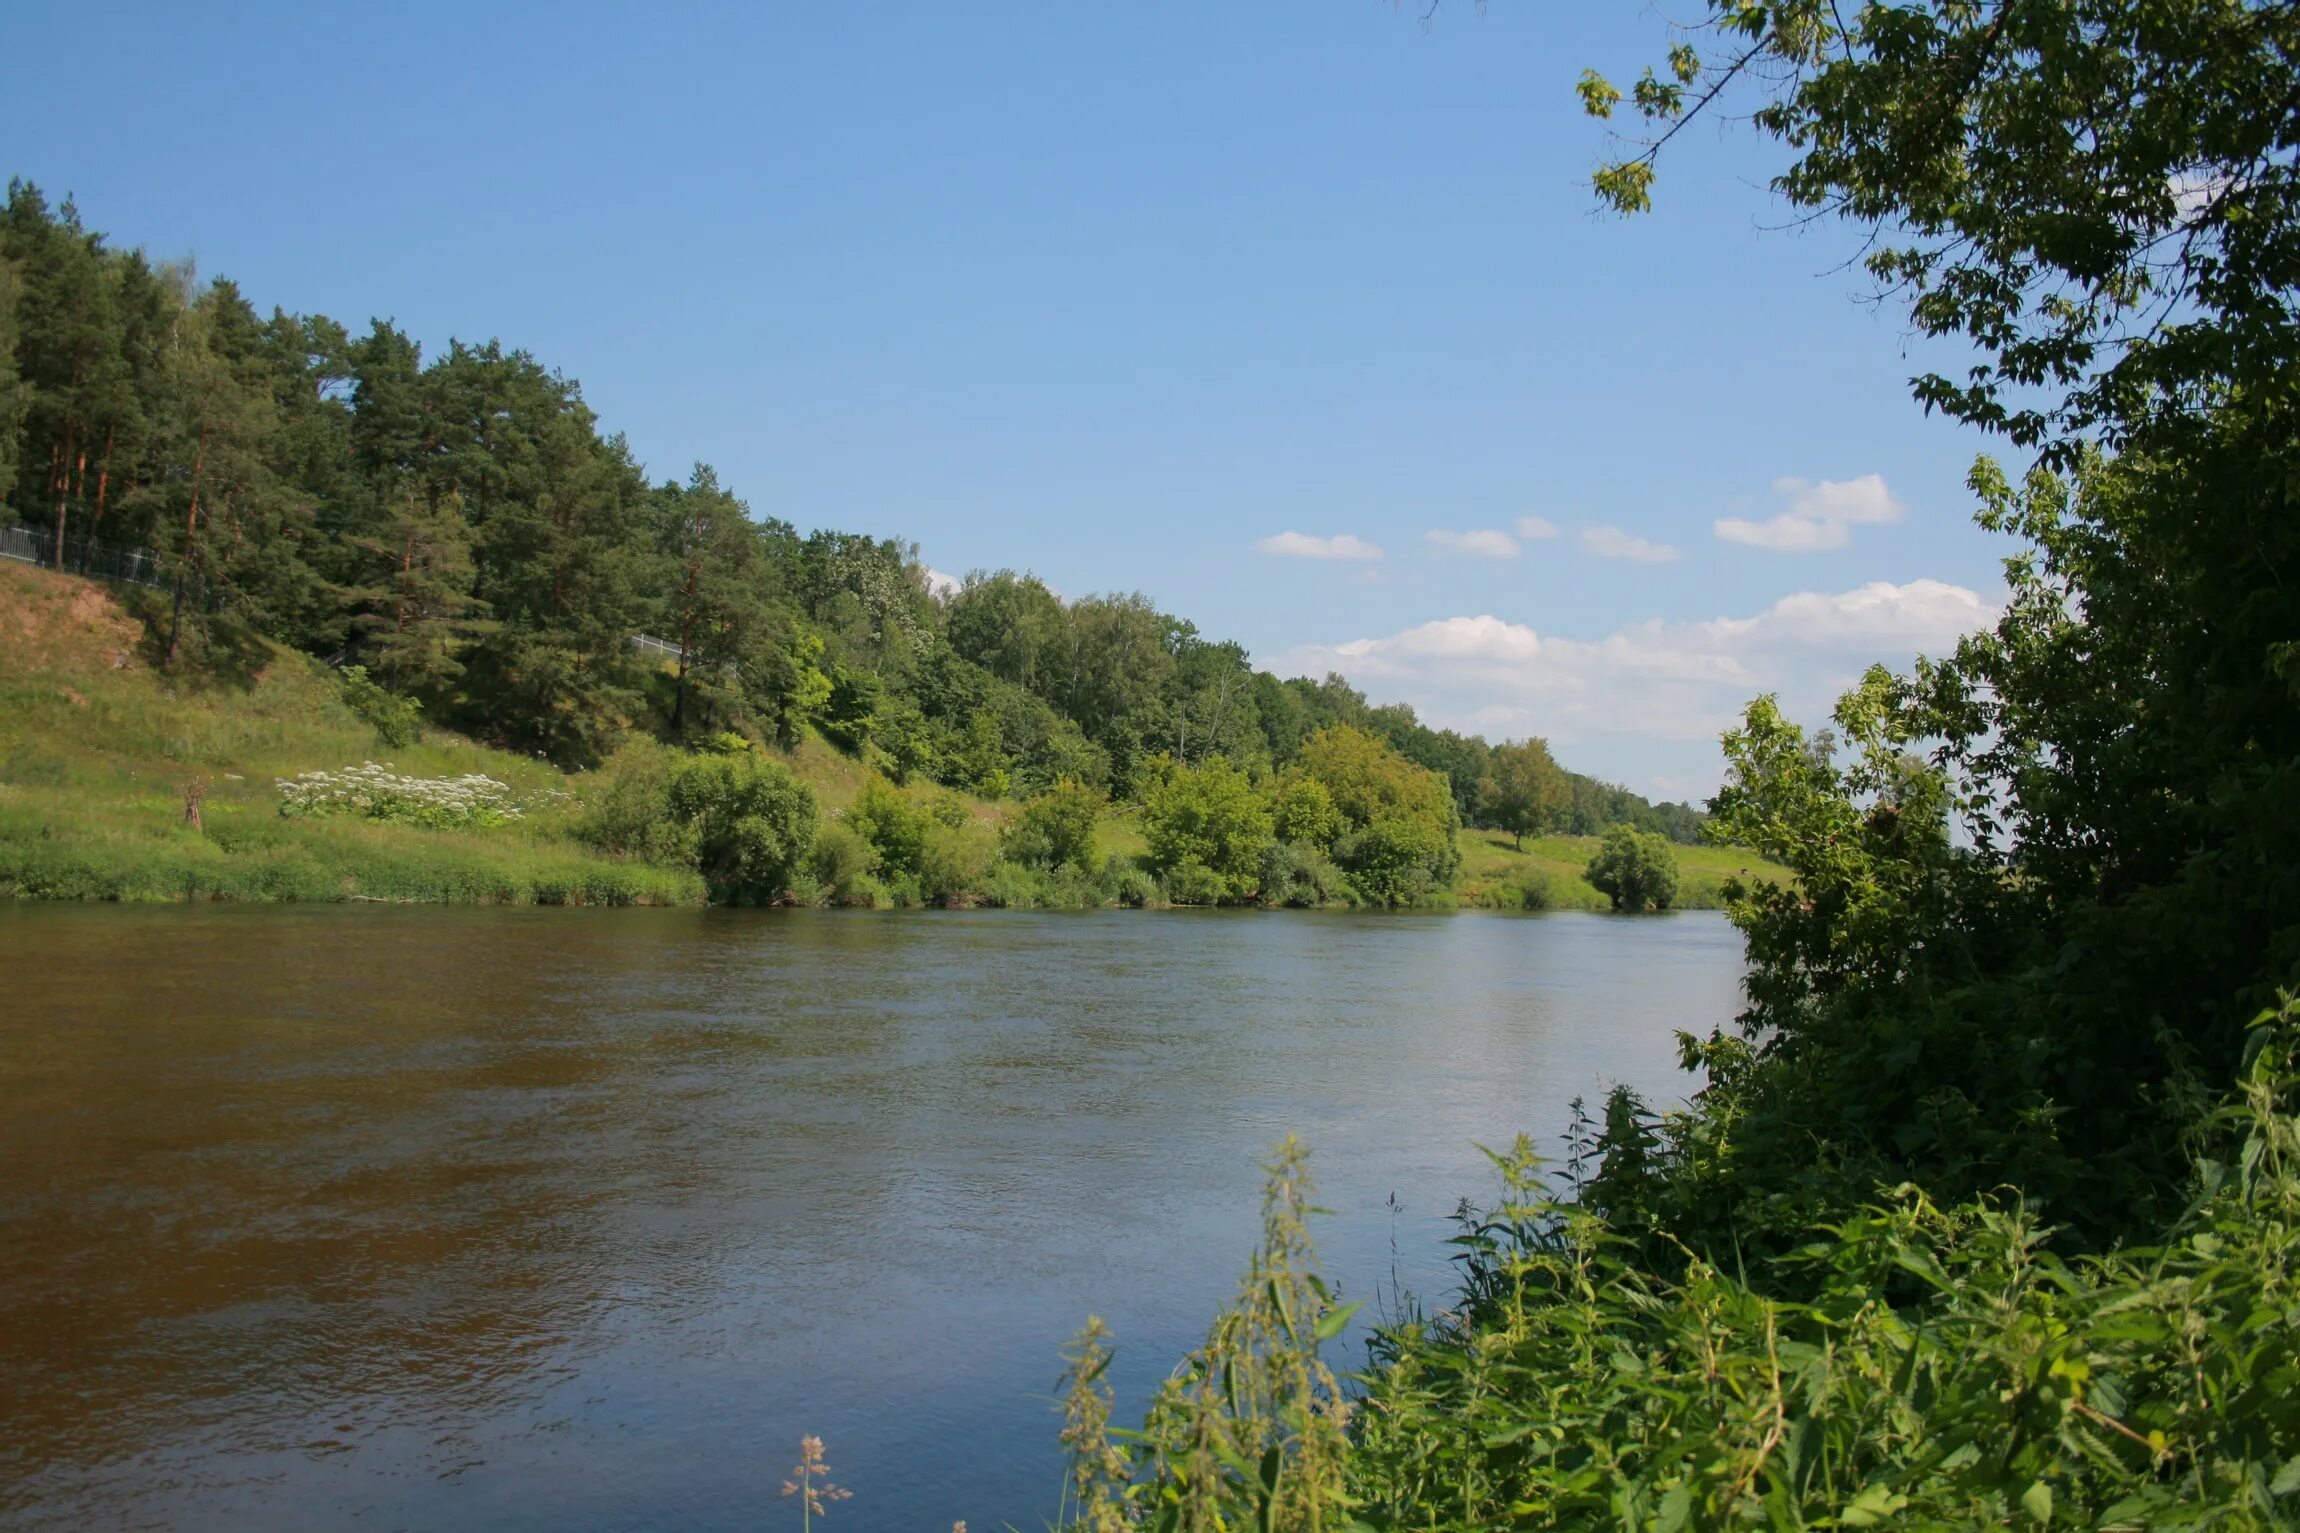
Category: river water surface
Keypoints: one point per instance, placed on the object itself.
(432, 1219)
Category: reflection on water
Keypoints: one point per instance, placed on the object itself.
(554, 1219)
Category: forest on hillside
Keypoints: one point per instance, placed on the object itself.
(462, 529)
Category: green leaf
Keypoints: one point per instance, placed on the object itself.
(1330, 1326)
(1598, 95)
(1271, 1463)
(1875, 1504)
(2287, 1479)
(2037, 1501)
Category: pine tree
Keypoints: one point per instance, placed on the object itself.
(69, 355)
(232, 536)
(14, 394)
(732, 632)
(408, 576)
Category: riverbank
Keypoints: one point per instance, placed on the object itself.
(103, 756)
(99, 751)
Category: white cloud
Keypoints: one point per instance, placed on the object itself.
(1487, 544)
(1820, 515)
(940, 584)
(1652, 681)
(1783, 534)
(1613, 543)
(1536, 527)
(1301, 545)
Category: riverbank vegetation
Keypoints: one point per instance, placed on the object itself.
(281, 779)
(1985, 1215)
(458, 537)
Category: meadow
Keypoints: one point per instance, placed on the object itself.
(1546, 875)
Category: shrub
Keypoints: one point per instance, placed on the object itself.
(752, 821)
(1011, 886)
(398, 721)
(841, 863)
(1207, 825)
(1397, 820)
(893, 822)
(1125, 884)
(1193, 883)
(1634, 869)
(1296, 873)
(953, 861)
(631, 815)
(1398, 860)
(1056, 829)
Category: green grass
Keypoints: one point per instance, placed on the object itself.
(1494, 873)
(97, 748)
(1119, 834)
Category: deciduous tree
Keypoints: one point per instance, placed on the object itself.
(1524, 791)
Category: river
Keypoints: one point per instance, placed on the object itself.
(360, 1217)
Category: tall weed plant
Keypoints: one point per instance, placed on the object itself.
(1942, 1368)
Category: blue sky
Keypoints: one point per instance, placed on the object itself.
(1122, 294)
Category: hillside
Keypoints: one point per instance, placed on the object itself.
(100, 747)
(98, 750)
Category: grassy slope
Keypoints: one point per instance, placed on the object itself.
(96, 748)
(837, 777)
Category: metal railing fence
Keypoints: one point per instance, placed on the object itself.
(84, 556)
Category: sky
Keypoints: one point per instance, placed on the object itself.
(1298, 317)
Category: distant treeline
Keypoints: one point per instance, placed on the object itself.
(462, 529)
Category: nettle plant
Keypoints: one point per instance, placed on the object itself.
(371, 791)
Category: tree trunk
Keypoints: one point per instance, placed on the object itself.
(60, 481)
(406, 563)
(191, 533)
(79, 494)
(686, 645)
(103, 479)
